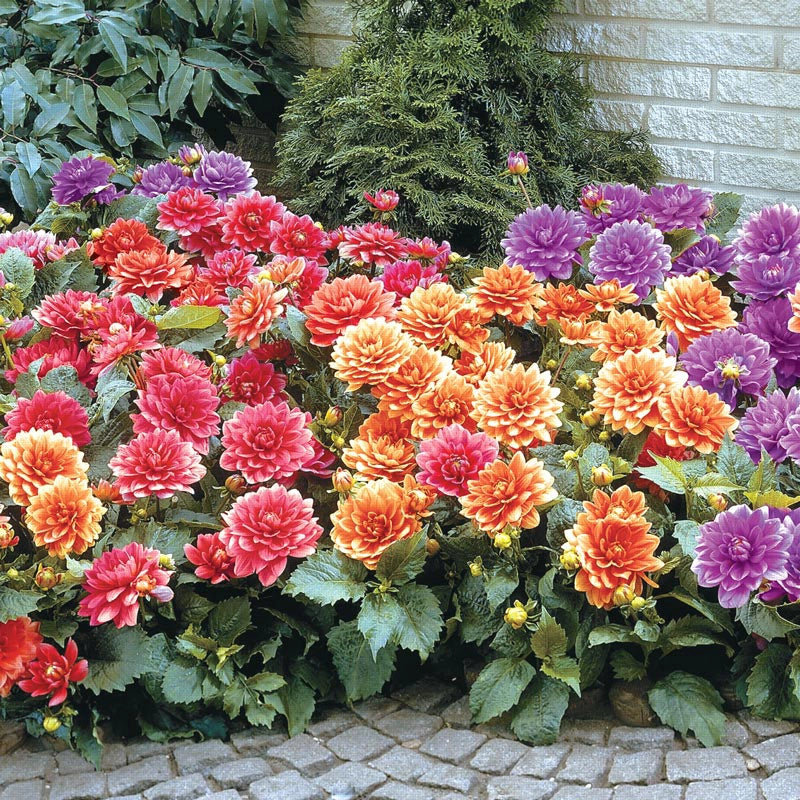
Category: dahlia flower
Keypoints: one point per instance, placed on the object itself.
(149, 273)
(19, 639)
(562, 303)
(56, 411)
(207, 241)
(508, 292)
(693, 418)
(786, 590)
(252, 313)
(427, 315)
(118, 579)
(475, 366)
(229, 269)
(171, 361)
(40, 246)
(765, 425)
(187, 210)
(383, 200)
(402, 277)
(121, 332)
(295, 236)
(372, 243)
(209, 555)
(69, 314)
(449, 401)
(545, 241)
(382, 449)
(608, 295)
(156, 463)
(773, 231)
(51, 353)
(625, 332)
(428, 251)
(707, 255)
(51, 672)
(87, 178)
(161, 178)
(790, 441)
(677, 206)
(253, 382)
(121, 236)
(248, 219)
(769, 321)
(740, 549)
(605, 204)
(265, 528)
(224, 174)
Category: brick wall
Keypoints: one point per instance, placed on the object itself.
(717, 82)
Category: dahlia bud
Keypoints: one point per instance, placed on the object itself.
(551, 363)
(333, 416)
(51, 724)
(583, 381)
(570, 456)
(12, 573)
(418, 500)
(570, 559)
(338, 441)
(623, 595)
(717, 502)
(343, 480)
(516, 616)
(502, 540)
(603, 436)
(220, 361)
(383, 199)
(137, 175)
(166, 561)
(46, 578)
(432, 547)
(476, 567)
(187, 171)
(264, 276)
(141, 513)
(593, 200)
(518, 163)
(638, 603)
(590, 419)
(602, 475)
(7, 536)
(6, 218)
(10, 287)
(191, 154)
(235, 484)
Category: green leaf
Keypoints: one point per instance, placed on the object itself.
(539, 712)
(296, 703)
(772, 498)
(13, 104)
(116, 658)
(327, 577)
(626, 667)
(667, 473)
(229, 620)
(111, 393)
(29, 156)
(50, 117)
(564, 668)
(714, 483)
(266, 682)
(499, 687)
(114, 42)
(24, 191)
(85, 104)
(611, 634)
(113, 101)
(689, 703)
(499, 581)
(561, 517)
(549, 639)
(179, 86)
(726, 207)
(734, 463)
(687, 532)
(360, 673)
(403, 560)
(65, 379)
(764, 621)
(201, 90)
(680, 240)
(711, 611)
(189, 317)
(146, 126)
(770, 685)
(182, 9)
(379, 618)
(422, 621)
(19, 270)
(17, 602)
(692, 631)
(183, 682)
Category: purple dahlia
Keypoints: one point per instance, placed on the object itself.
(545, 241)
(767, 276)
(790, 441)
(87, 178)
(765, 424)
(633, 253)
(708, 254)
(160, 179)
(772, 231)
(738, 550)
(729, 363)
(769, 320)
(678, 206)
(788, 588)
(605, 204)
(225, 174)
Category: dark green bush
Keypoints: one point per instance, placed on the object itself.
(429, 101)
(129, 78)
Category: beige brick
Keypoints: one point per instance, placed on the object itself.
(609, 115)
(686, 163)
(686, 10)
(776, 89)
(721, 127)
(791, 134)
(621, 77)
(748, 169)
(791, 53)
(710, 47)
(325, 17)
(328, 52)
(595, 39)
(756, 12)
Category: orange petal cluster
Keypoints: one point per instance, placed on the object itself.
(693, 418)
(562, 303)
(253, 311)
(382, 449)
(427, 314)
(475, 366)
(448, 402)
(608, 295)
(621, 333)
(508, 292)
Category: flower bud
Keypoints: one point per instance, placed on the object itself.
(570, 559)
(518, 163)
(603, 436)
(476, 567)
(6, 218)
(570, 456)
(516, 616)
(717, 502)
(235, 484)
(591, 419)
(623, 595)
(502, 540)
(638, 603)
(140, 513)
(46, 578)
(137, 175)
(338, 441)
(51, 724)
(432, 547)
(583, 381)
(551, 364)
(602, 475)
(220, 361)
(186, 171)
(10, 287)
(383, 200)
(12, 573)
(333, 416)
(166, 561)
(7, 536)
(343, 480)
(593, 200)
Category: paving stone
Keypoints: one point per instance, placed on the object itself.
(453, 744)
(585, 731)
(359, 743)
(403, 764)
(706, 764)
(541, 762)
(778, 753)
(256, 742)
(83, 786)
(767, 728)
(498, 756)
(406, 725)
(581, 793)
(447, 776)
(427, 695)
(586, 764)
(736, 735)
(228, 794)
(70, 763)
(375, 708)
(350, 780)
(240, 773)
(24, 790)
(641, 738)
(12, 735)
(289, 785)
(783, 785)
(737, 789)
(644, 767)
(660, 792)
(401, 791)
(114, 756)
(510, 787)
(22, 767)
(303, 753)
(199, 756)
(457, 714)
(187, 787)
(136, 751)
(140, 776)
(331, 722)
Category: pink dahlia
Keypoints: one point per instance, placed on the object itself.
(40, 246)
(187, 210)
(206, 241)
(403, 277)
(372, 243)
(265, 528)
(173, 361)
(428, 251)
(320, 465)
(199, 293)
(118, 579)
(156, 463)
(57, 412)
(53, 352)
(248, 219)
(121, 332)
(69, 313)
(184, 404)
(253, 382)
(453, 457)
(18, 329)
(228, 268)
(295, 236)
(210, 557)
(52, 672)
(269, 441)
(310, 280)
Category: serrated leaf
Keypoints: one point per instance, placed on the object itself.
(611, 634)
(540, 710)
(17, 602)
(19, 270)
(692, 632)
(65, 379)
(422, 621)
(764, 620)
(327, 577)
(689, 703)
(296, 702)
(714, 483)
(378, 619)
(668, 474)
(563, 668)
(499, 581)
(183, 682)
(403, 560)
(360, 673)
(499, 687)
(770, 686)
(229, 620)
(772, 498)
(266, 682)
(189, 317)
(116, 658)
(549, 639)
(726, 211)
(734, 463)
(687, 531)
(626, 667)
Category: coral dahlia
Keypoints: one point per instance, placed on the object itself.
(56, 411)
(51, 672)
(693, 418)
(248, 219)
(149, 273)
(209, 555)
(253, 312)
(187, 210)
(19, 639)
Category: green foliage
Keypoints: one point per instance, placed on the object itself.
(361, 674)
(116, 658)
(538, 715)
(771, 687)
(429, 101)
(499, 687)
(131, 78)
(327, 577)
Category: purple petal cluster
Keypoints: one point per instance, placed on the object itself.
(769, 321)
(87, 178)
(633, 253)
(605, 204)
(224, 173)
(790, 441)
(787, 589)
(764, 425)
(545, 241)
(678, 206)
(160, 179)
(729, 363)
(767, 276)
(708, 254)
(740, 549)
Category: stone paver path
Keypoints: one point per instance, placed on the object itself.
(419, 745)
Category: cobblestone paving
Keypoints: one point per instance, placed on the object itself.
(418, 745)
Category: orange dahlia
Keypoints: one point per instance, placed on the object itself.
(507, 494)
(690, 306)
(475, 366)
(609, 294)
(253, 311)
(574, 332)
(448, 402)
(794, 299)
(64, 517)
(625, 332)
(506, 292)
(691, 417)
(398, 392)
(426, 315)
(562, 302)
(518, 406)
(623, 503)
(150, 273)
(370, 352)
(627, 390)
(466, 330)
(34, 459)
(382, 449)
(372, 519)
